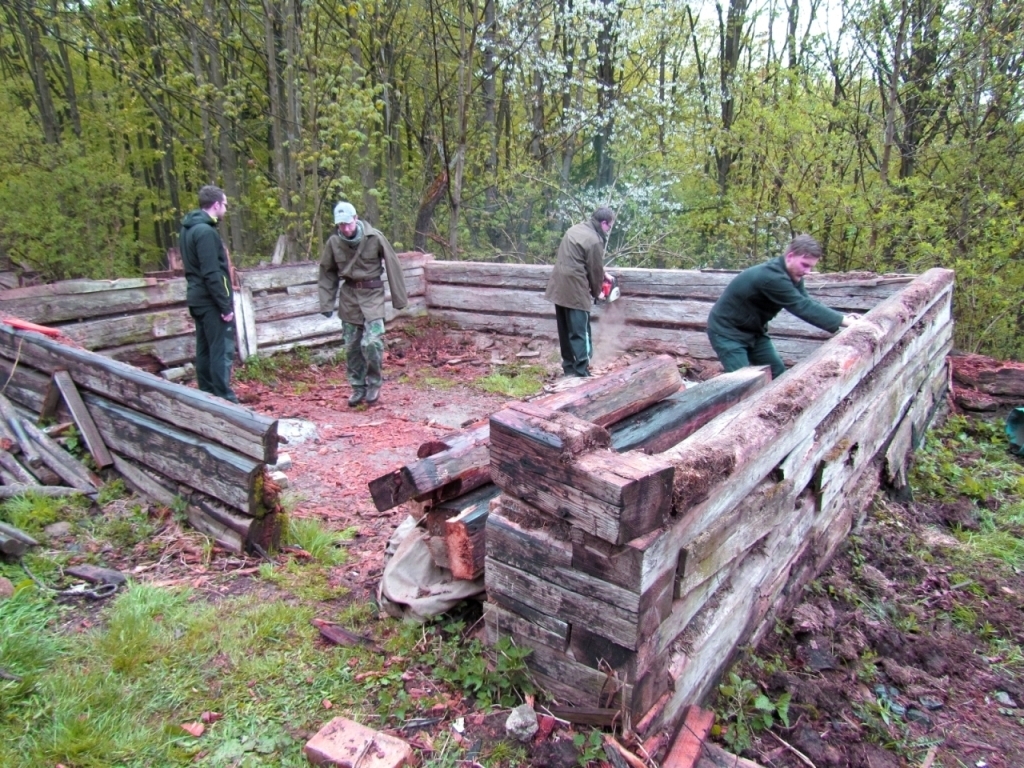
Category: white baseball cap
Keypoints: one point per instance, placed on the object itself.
(344, 213)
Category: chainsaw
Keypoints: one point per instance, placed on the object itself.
(609, 289)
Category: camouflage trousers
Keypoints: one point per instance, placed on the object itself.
(364, 353)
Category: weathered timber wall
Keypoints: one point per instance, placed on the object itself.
(762, 497)
(167, 440)
(145, 322)
(661, 310)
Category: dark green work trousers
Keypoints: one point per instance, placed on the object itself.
(733, 354)
(215, 352)
(574, 340)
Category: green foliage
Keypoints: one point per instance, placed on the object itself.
(31, 513)
(591, 747)
(748, 711)
(513, 381)
(969, 458)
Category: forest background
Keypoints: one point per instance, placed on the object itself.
(479, 129)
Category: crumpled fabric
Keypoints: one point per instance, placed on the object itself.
(414, 587)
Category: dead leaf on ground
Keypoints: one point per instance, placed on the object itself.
(194, 729)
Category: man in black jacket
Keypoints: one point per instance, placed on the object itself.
(208, 295)
(738, 323)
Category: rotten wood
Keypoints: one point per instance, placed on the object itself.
(14, 467)
(338, 635)
(465, 533)
(14, 542)
(13, 420)
(82, 417)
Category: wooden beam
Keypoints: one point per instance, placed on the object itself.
(28, 450)
(678, 416)
(63, 382)
(180, 456)
(66, 466)
(465, 535)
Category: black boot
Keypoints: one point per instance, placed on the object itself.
(372, 394)
(358, 395)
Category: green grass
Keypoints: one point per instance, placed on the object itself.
(271, 370)
(970, 458)
(325, 546)
(513, 381)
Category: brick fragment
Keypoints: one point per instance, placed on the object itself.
(346, 744)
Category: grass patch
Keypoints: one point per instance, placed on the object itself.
(323, 545)
(271, 370)
(437, 382)
(970, 458)
(513, 381)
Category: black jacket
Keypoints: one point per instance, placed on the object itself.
(206, 263)
(756, 295)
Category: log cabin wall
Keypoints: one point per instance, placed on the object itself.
(661, 310)
(145, 322)
(640, 603)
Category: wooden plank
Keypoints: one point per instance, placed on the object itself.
(217, 420)
(314, 324)
(607, 399)
(664, 424)
(130, 329)
(180, 456)
(245, 325)
(548, 435)
(64, 383)
(279, 277)
(615, 497)
(599, 605)
(156, 354)
(744, 444)
(686, 749)
(72, 300)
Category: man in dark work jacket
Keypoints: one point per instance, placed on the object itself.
(208, 294)
(738, 323)
(575, 284)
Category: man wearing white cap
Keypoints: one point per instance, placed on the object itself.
(353, 260)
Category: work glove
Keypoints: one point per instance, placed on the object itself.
(328, 314)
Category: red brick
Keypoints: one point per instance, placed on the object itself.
(342, 742)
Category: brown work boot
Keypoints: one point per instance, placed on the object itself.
(358, 395)
(372, 394)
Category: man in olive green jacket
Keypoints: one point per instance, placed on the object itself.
(574, 286)
(354, 257)
(738, 323)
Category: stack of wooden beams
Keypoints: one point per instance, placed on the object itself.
(635, 578)
(168, 441)
(450, 486)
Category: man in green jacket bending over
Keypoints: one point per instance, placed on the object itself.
(355, 257)
(574, 286)
(738, 323)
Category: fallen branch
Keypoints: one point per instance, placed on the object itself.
(628, 756)
(800, 755)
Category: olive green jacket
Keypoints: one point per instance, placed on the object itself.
(756, 295)
(341, 264)
(579, 267)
